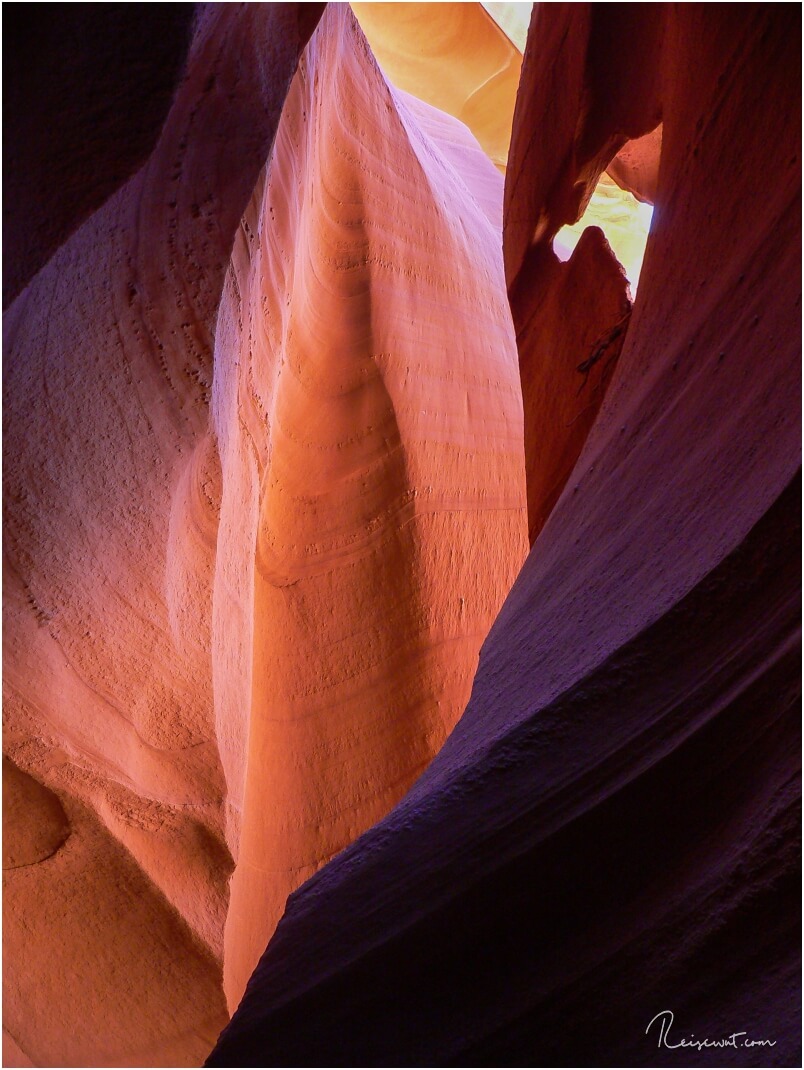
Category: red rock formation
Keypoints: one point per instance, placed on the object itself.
(257, 528)
(587, 109)
(571, 324)
(112, 944)
(265, 492)
(453, 56)
(97, 969)
(583, 107)
(612, 827)
(35, 824)
(636, 166)
(369, 418)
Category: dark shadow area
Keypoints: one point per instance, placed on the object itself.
(86, 88)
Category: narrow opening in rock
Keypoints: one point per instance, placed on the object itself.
(623, 219)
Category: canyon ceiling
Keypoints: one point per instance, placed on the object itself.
(401, 544)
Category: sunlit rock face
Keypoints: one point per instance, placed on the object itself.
(612, 829)
(265, 495)
(368, 414)
(465, 59)
(116, 888)
(455, 57)
(635, 168)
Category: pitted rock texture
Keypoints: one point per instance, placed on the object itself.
(109, 75)
(112, 944)
(265, 494)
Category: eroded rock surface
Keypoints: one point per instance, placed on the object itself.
(612, 827)
(368, 412)
(112, 946)
(34, 822)
(453, 56)
(262, 506)
(109, 79)
(265, 493)
(572, 320)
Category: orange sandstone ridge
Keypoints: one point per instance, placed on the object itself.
(262, 510)
(612, 829)
(454, 56)
(368, 415)
(113, 944)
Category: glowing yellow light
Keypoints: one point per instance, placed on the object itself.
(622, 218)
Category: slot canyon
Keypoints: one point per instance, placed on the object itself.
(402, 519)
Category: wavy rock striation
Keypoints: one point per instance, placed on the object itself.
(611, 830)
(370, 433)
(112, 944)
(265, 496)
(453, 56)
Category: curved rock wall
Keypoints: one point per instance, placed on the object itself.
(611, 830)
(263, 504)
(453, 56)
(265, 492)
(109, 76)
(112, 944)
(572, 320)
(370, 428)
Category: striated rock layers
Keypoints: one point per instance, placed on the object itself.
(368, 415)
(264, 497)
(611, 830)
(454, 56)
(112, 941)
